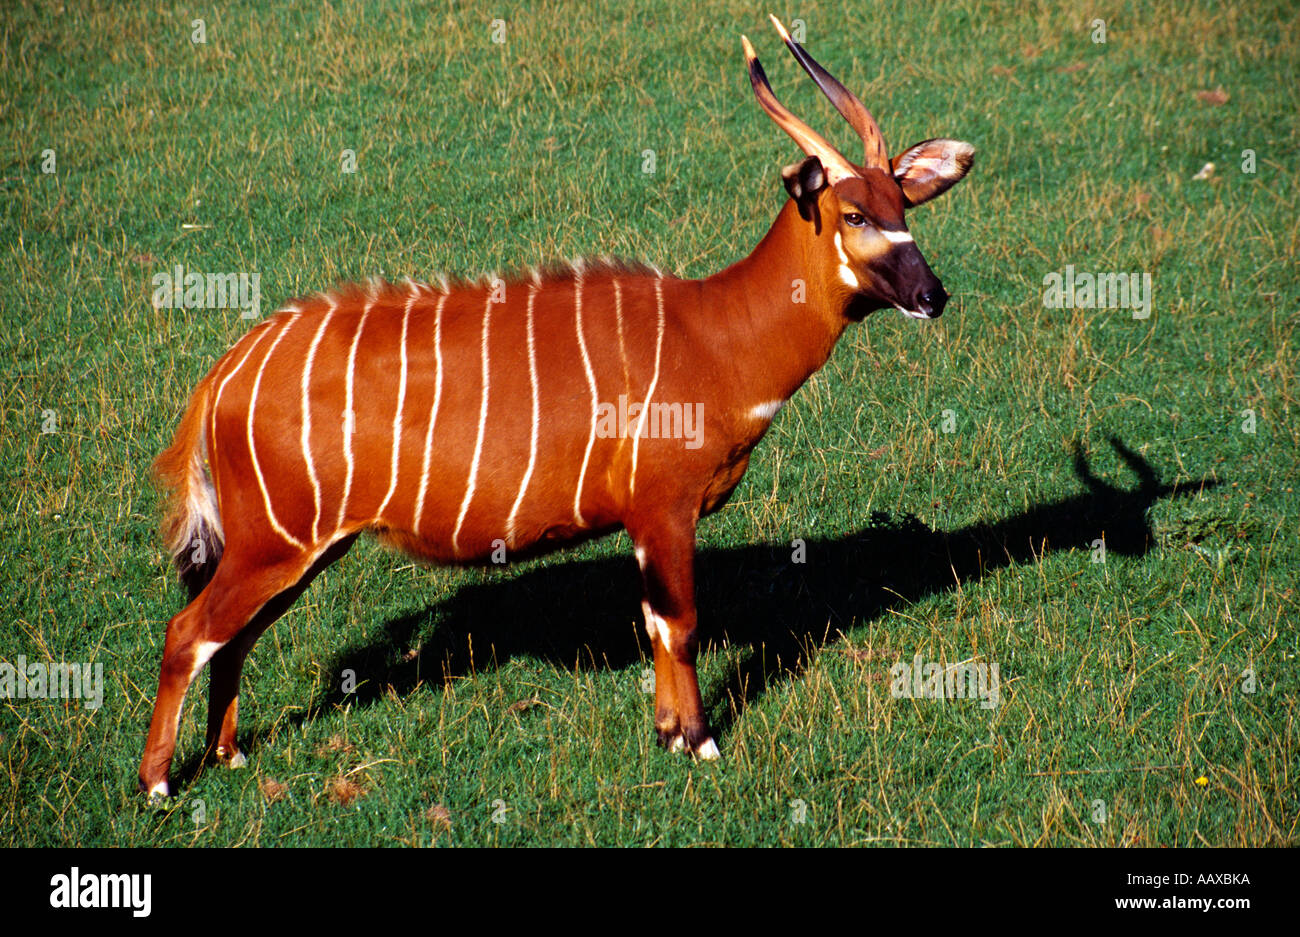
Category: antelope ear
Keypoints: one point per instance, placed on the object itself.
(931, 168)
(804, 181)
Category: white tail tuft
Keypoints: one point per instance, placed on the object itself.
(202, 519)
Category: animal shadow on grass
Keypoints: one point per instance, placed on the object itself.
(587, 613)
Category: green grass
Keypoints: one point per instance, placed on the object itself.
(523, 688)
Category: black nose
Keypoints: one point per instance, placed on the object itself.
(931, 302)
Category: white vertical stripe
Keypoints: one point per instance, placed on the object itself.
(654, 381)
(349, 415)
(401, 404)
(252, 449)
(482, 426)
(595, 403)
(433, 412)
(532, 444)
(306, 418)
(622, 353)
(216, 402)
(622, 345)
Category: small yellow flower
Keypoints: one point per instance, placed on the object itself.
(1202, 781)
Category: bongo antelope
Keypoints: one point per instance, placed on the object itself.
(455, 420)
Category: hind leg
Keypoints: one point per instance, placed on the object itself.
(225, 669)
(228, 663)
(239, 590)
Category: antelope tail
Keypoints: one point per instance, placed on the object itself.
(191, 527)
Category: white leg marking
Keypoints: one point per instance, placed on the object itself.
(433, 412)
(653, 622)
(532, 444)
(766, 411)
(349, 416)
(846, 272)
(482, 426)
(401, 405)
(656, 625)
(595, 403)
(678, 744)
(202, 654)
(708, 751)
(654, 381)
(252, 449)
(650, 618)
(306, 418)
(159, 793)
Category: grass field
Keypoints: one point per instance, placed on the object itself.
(949, 480)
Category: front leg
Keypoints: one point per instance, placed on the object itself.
(665, 551)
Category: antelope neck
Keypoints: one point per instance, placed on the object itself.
(780, 315)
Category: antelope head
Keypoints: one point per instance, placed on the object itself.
(857, 211)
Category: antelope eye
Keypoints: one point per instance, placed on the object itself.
(855, 220)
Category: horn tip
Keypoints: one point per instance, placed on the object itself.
(750, 54)
(785, 36)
